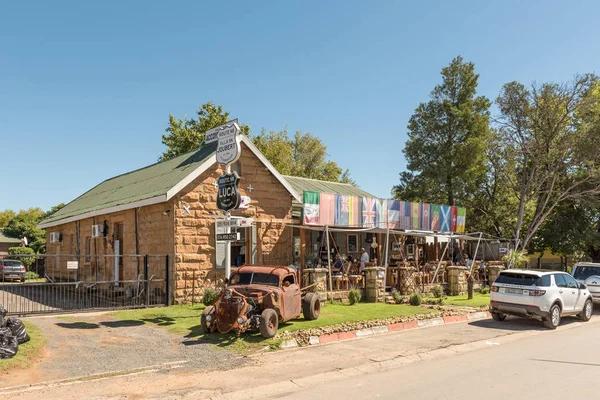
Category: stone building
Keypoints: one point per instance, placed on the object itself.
(169, 209)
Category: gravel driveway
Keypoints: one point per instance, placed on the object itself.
(79, 346)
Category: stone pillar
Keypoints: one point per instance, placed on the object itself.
(318, 276)
(406, 280)
(375, 284)
(457, 279)
(493, 271)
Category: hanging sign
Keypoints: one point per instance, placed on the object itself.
(228, 237)
(228, 196)
(228, 147)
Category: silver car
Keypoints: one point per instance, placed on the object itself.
(12, 269)
(589, 274)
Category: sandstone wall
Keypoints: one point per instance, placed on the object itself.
(96, 263)
(196, 212)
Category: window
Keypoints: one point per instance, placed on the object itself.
(560, 280)
(289, 280)
(571, 282)
(514, 278)
(88, 249)
(352, 243)
(585, 272)
(247, 278)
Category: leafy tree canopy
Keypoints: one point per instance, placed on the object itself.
(185, 135)
(302, 155)
(447, 139)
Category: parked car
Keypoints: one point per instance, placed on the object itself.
(589, 274)
(259, 298)
(544, 295)
(12, 269)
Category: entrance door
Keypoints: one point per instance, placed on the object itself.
(118, 252)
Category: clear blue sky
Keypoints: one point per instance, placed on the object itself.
(86, 87)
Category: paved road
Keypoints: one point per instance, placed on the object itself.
(465, 358)
(552, 365)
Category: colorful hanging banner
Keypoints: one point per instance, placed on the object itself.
(370, 212)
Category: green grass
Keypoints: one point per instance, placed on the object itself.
(28, 352)
(478, 300)
(184, 320)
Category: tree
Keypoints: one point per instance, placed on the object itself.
(549, 135)
(25, 254)
(447, 139)
(6, 216)
(572, 230)
(302, 155)
(185, 135)
(24, 224)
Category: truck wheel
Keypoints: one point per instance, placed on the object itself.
(553, 319)
(311, 306)
(269, 322)
(203, 322)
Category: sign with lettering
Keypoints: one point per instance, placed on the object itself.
(228, 147)
(228, 196)
(72, 264)
(228, 237)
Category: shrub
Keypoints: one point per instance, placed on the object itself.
(415, 299)
(433, 301)
(25, 254)
(484, 290)
(398, 298)
(437, 291)
(30, 275)
(354, 296)
(210, 296)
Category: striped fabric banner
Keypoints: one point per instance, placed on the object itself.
(369, 212)
(327, 209)
(310, 210)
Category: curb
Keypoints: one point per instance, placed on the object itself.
(383, 329)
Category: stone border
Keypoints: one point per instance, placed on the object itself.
(383, 329)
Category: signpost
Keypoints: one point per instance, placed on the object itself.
(228, 195)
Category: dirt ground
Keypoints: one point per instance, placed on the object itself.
(96, 344)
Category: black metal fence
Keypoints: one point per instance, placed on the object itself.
(67, 283)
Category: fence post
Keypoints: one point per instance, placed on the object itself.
(167, 281)
(146, 281)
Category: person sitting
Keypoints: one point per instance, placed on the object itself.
(338, 265)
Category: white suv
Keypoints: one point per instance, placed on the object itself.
(589, 274)
(544, 295)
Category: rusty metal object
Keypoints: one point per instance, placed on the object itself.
(252, 290)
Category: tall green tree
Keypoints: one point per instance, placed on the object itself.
(447, 140)
(185, 135)
(24, 224)
(550, 134)
(302, 155)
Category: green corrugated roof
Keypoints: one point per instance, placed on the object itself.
(314, 185)
(144, 183)
(6, 239)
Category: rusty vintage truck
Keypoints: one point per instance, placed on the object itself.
(259, 298)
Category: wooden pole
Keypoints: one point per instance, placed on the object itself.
(470, 277)
(329, 261)
(440, 261)
(387, 248)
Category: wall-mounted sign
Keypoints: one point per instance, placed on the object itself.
(236, 222)
(228, 237)
(228, 147)
(72, 264)
(228, 196)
